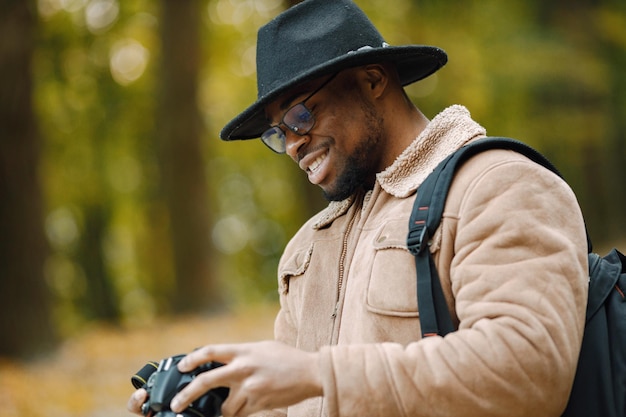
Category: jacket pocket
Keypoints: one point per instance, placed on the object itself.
(392, 287)
(295, 265)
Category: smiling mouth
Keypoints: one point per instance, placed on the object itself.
(316, 164)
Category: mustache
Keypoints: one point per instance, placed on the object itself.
(309, 148)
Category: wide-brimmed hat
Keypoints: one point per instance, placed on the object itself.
(318, 37)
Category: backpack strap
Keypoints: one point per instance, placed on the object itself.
(425, 218)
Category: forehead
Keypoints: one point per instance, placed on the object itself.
(290, 97)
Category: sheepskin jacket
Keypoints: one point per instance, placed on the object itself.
(511, 254)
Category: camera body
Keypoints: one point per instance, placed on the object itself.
(164, 381)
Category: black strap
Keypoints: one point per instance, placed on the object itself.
(425, 218)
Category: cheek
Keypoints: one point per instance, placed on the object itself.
(343, 130)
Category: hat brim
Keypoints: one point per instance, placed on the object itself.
(413, 62)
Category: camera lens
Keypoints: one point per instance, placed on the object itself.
(141, 377)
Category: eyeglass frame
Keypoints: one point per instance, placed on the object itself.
(276, 133)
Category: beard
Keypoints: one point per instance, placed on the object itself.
(361, 164)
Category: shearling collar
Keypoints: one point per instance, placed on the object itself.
(448, 131)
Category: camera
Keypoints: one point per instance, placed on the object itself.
(163, 381)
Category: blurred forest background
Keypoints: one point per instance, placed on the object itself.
(120, 206)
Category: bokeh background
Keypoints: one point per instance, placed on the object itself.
(129, 231)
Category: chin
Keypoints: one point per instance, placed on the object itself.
(346, 184)
(336, 195)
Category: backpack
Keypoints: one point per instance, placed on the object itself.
(599, 388)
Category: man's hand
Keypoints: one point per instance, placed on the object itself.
(261, 376)
(136, 401)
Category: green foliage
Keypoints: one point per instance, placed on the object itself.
(548, 75)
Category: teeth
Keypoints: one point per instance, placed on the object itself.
(315, 164)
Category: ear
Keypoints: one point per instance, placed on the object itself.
(376, 77)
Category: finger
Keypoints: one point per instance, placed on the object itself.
(136, 401)
(200, 385)
(209, 353)
(234, 405)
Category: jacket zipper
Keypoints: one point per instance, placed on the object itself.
(342, 265)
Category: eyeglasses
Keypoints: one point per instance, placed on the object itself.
(298, 119)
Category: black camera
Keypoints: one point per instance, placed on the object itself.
(163, 381)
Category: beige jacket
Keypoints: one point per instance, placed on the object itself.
(511, 252)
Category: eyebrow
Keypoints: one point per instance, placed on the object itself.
(286, 103)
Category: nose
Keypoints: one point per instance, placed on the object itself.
(293, 143)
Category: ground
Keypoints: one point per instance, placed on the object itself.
(89, 375)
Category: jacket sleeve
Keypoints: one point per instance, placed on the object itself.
(271, 413)
(518, 275)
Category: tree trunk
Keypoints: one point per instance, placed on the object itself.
(25, 322)
(181, 130)
(100, 301)
(616, 147)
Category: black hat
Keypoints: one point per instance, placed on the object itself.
(319, 37)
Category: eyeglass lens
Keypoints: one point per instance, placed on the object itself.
(297, 118)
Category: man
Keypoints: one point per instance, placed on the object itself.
(511, 249)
